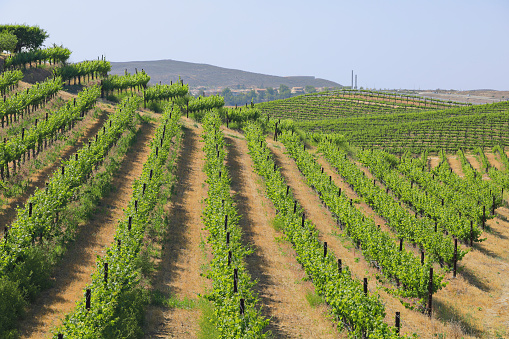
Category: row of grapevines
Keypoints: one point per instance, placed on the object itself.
(377, 246)
(205, 103)
(38, 218)
(442, 187)
(475, 177)
(9, 79)
(503, 156)
(236, 312)
(123, 82)
(419, 231)
(165, 92)
(52, 54)
(446, 216)
(34, 96)
(14, 148)
(499, 178)
(362, 314)
(81, 69)
(116, 298)
(471, 185)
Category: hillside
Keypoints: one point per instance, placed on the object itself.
(212, 76)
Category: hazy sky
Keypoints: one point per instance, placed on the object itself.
(428, 44)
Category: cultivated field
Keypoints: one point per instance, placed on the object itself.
(133, 211)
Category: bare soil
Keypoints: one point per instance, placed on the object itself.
(273, 264)
(455, 165)
(73, 275)
(433, 162)
(494, 160)
(179, 272)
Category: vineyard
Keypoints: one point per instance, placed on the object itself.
(131, 210)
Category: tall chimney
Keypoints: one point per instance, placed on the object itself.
(355, 81)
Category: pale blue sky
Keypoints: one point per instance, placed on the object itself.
(389, 44)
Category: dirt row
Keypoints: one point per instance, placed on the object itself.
(74, 273)
(87, 127)
(471, 305)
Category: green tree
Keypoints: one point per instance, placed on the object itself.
(228, 96)
(284, 92)
(29, 37)
(310, 89)
(8, 41)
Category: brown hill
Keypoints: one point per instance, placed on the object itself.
(209, 76)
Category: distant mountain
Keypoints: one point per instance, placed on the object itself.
(210, 76)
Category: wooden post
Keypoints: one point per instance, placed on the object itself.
(229, 258)
(430, 291)
(398, 322)
(242, 307)
(235, 278)
(287, 189)
(422, 257)
(471, 232)
(225, 222)
(30, 205)
(455, 257)
(105, 272)
(483, 217)
(325, 249)
(295, 206)
(60, 336)
(303, 218)
(401, 244)
(88, 296)
(227, 238)
(366, 286)
(129, 224)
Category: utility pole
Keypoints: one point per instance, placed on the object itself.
(352, 79)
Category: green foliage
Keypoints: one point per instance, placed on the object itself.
(228, 320)
(377, 246)
(12, 305)
(8, 41)
(420, 231)
(361, 314)
(123, 82)
(28, 37)
(314, 299)
(20, 144)
(165, 92)
(52, 54)
(8, 79)
(310, 89)
(98, 67)
(205, 103)
(27, 251)
(118, 305)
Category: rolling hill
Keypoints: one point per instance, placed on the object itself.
(209, 76)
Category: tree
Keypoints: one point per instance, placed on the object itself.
(284, 92)
(29, 37)
(310, 89)
(8, 41)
